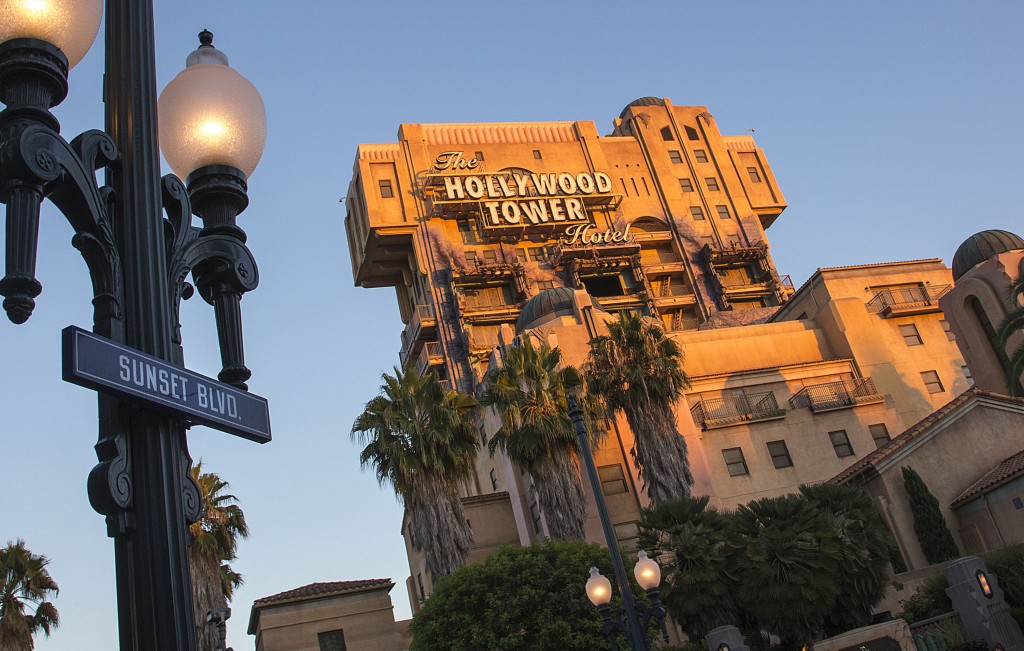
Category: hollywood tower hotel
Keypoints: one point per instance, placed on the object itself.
(492, 231)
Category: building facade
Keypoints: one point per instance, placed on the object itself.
(489, 232)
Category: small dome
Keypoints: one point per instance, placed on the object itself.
(547, 306)
(982, 246)
(643, 101)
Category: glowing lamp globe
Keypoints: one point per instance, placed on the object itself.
(71, 25)
(211, 115)
(647, 572)
(599, 588)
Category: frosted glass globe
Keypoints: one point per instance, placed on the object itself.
(71, 25)
(211, 115)
(647, 572)
(599, 588)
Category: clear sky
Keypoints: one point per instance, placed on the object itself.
(894, 129)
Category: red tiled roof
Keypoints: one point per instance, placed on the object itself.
(1006, 469)
(917, 430)
(323, 590)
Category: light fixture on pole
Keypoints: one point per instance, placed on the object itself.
(138, 262)
(633, 619)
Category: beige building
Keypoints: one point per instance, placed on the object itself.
(338, 616)
(490, 232)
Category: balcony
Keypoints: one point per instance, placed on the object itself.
(658, 267)
(733, 254)
(736, 410)
(907, 301)
(841, 394)
(431, 355)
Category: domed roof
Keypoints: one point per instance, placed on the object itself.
(982, 246)
(546, 306)
(643, 101)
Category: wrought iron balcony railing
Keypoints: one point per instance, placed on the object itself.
(836, 395)
(734, 410)
(907, 300)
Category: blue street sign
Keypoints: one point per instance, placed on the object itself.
(98, 363)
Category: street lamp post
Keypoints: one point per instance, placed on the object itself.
(632, 621)
(138, 262)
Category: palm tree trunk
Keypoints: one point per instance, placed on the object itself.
(561, 496)
(439, 526)
(661, 453)
(207, 594)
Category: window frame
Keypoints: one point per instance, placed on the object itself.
(617, 476)
(675, 156)
(778, 454)
(700, 155)
(686, 185)
(712, 184)
(387, 190)
(911, 337)
(723, 211)
(741, 461)
(929, 384)
(697, 213)
(755, 176)
(844, 443)
(872, 430)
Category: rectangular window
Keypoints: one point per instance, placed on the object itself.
(841, 442)
(686, 185)
(723, 212)
(967, 374)
(535, 515)
(675, 156)
(613, 481)
(700, 155)
(543, 285)
(490, 256)
(911, 336)
(932, 382)
(1018, 503)
(754, 176)
(880, 433)
(536, 154)
(471, 258)
(697, 213)
(734, 462)
(712, 183)
(385, 189)
(536, 253)
(521, 255)
(331, 640)
(478, 155)
(948, 330)
(468, 232)
(691, 133)
(780, 454)
(494, 479)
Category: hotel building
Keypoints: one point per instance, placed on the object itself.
(488, 232)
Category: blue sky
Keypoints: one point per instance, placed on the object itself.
(894, 129)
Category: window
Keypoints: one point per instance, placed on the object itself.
(521, 255)
(712, 183)
(734, 462)
(932, 382)
(494, 479)
(948, 330)
(1018, 503)
(697, 213)
(666, 134)
(880, 433)
(385, 189)
(468, 231)
(686, 185)
(478, 155)
(675, 156)
(536, 254)
(911, 336)
(691, 133)
(543, 285)
(723, 212)
(967, 374)
(535, 514)
(331, 640)
(490, 256)
(470, 258)
(700, 155)
(613, 481)
(780, 454)
(754, 176)
(841, 442)
(536, 154)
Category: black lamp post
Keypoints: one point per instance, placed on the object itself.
(138, 260)
(634, 620)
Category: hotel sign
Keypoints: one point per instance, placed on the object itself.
(99, 363)
(517, 199)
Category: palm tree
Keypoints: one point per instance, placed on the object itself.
(1013, 323)
(25, 586)
(422, 440)
(530, 392)
(214, 542)
(637, 369)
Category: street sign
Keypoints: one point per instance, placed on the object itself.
(98, 363)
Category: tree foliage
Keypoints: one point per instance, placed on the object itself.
(636, 369)
(25, 589)
(520, 598)
(530, 391)
(929, 524)
(796, 566)
(421, 439)
(214, 544)
(1014, 323)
